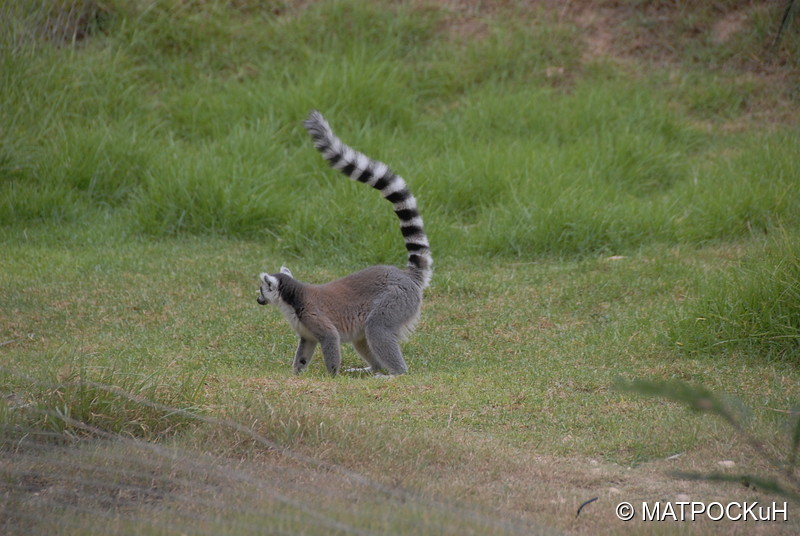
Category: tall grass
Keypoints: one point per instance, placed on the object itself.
(77, 403)
(178, 117)
(753, 308)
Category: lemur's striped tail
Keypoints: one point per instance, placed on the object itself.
(361, 168)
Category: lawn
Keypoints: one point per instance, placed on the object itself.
(608, 200)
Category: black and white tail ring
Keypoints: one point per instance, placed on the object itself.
(392, 187)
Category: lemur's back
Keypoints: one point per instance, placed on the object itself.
(383, 290)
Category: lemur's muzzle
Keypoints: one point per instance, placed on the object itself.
(261, 300)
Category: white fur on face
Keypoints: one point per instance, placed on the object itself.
(269, 290)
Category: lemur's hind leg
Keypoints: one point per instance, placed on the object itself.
(385, 347)
(363, 350)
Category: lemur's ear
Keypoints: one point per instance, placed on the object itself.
(285, 271)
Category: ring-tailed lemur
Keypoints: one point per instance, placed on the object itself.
(373, 309)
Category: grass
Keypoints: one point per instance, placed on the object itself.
(584, 212)
(505, 369)
(754, 307)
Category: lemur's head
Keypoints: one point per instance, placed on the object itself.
(268, 293)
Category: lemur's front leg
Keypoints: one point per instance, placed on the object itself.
(302, 357)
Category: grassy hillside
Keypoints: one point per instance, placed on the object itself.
(184, 117)
(611, 190)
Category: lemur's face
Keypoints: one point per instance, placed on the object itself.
(268, 293)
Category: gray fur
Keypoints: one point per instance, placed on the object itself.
(373, 309)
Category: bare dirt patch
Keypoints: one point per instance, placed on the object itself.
(550, 490)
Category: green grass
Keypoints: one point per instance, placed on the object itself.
(512, 361)
(754, 307)
(584, 213)
(121, 122)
